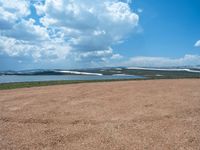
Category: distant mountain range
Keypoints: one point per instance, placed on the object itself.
(144, 71)
(47, 72)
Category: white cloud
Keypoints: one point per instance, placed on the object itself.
(197, 44)
(27, 31)
(11, 11)
(96, 24)
(163, 61)
(116, 56)
(99, 55)
(46, 50)
(139, 10)
(83, 30)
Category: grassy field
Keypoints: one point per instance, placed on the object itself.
(6, 86)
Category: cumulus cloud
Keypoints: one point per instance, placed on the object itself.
(82, 30)
(89, 25)
(141, 61)
(11, 11)
(46, 50)
(197, 44)
(27, 31)
(102, 55)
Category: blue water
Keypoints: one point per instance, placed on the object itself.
(17, 78)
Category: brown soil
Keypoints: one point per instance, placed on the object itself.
(125, 115)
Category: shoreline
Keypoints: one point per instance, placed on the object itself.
(16, 85)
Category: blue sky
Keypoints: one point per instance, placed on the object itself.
(82, 34)
(171, 27)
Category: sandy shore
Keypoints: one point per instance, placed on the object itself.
(125, 115)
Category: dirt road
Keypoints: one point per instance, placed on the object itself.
(125, 115)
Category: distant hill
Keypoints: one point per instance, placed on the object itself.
(166, 72)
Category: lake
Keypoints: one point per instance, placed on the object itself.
(31, 78)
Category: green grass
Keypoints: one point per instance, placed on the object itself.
(6, 86)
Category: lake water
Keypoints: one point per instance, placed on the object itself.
(20, 78)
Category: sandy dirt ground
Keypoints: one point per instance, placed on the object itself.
(125, 115)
